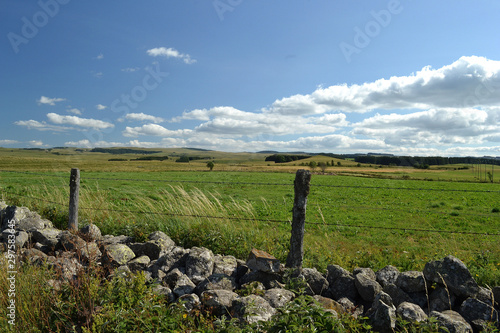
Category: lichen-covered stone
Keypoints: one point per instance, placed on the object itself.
(452, 273)
(116, 255)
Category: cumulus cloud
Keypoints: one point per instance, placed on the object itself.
(468, 82)
(49, 101)
(75, 111)
(41, 126)
(8, 142)
(434, 126)
(171, 53)
(101, 107)
(225, 120)
(153, 130)
(143, 117)
(90, 144)
(37, 143)
(77, 121)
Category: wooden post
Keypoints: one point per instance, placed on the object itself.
(74, 190)
(302, 185)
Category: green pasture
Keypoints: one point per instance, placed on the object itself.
(351, 221)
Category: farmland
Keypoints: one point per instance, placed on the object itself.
(358, 215)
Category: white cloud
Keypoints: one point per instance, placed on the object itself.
(101, 107)
(171, 53)
(41, 126)
(74, 111)
(226, 121)
(143, 117)
(77, 121)
(130, 69)
(49, 101)
(444, 126)
(37, 143)
(100, 56)
(8, 142)
(89, 144)
(468, 82)
(153, 130)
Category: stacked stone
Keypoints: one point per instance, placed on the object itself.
(445, 289)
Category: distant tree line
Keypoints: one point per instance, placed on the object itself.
(422, 161)
(186, 159)
(151, 158)
(283, 158)
(124, 151)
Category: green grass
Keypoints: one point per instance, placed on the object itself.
(231, 212)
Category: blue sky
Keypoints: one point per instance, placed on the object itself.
(402, 77)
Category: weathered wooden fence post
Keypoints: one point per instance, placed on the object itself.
(74, 190)
(302, 185)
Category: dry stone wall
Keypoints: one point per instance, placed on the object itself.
(445, 289)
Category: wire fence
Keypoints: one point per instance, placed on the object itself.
(267, 220)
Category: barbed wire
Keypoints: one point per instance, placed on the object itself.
(271, 220)
(405, 229)
(261, 183)
(404, 188)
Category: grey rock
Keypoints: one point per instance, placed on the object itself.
(269, 280)
(189, 301)
(47, 236)
(164, 291)
(183, 286)
(452, 321)
(315, 280)
(350, 307)
(329, 304)
(199, 264)
(341, 283)
(411, 281)
(171, 278)
(21, 238)
(486, 295)
(496, 295)
(227, 265)
(216, 282)
(478, 313)
(441, 299)
(455, 275)
(159, 244)
(388, 274)
(116, 255)
(175, 258)
(91, 233)
(264, 262)
(397, 294)
(220, 302)
(252, 309)
(86, 251)
(278, 297)
(367, 287)
(411, 312)
(66, 266)
(70, 242)
(139, 263)
(110, 239)
(24, 219)
(382, 314)
(166, 242)
(367, 271)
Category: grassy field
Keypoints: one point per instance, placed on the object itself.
(357, 215)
